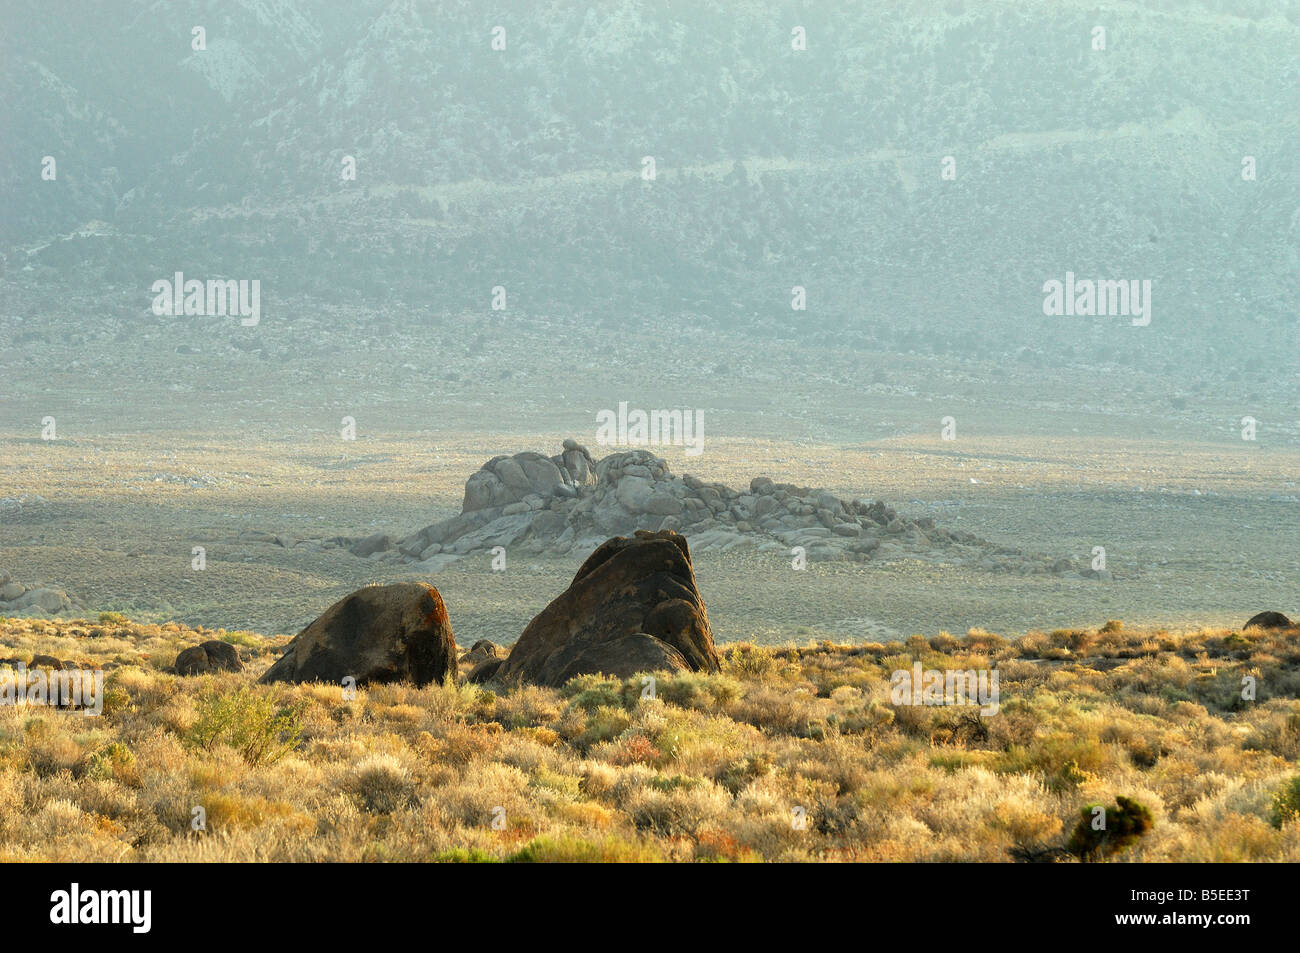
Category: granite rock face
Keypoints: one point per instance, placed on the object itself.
(377, 634)
(633, 607)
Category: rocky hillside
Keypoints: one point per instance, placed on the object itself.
(775, 166)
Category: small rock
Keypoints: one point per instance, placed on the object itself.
(375, 543)
(210, 656)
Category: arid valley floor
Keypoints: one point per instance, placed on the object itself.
(1204, 537)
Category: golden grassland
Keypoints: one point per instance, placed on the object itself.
(713, 768)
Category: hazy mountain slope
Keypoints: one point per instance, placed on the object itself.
(522, 167)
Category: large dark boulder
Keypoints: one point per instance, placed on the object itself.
(1268, 620)
(632, 607)
(210, 656)
(378, 634)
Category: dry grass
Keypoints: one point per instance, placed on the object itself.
(714, 768)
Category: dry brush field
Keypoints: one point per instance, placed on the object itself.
(793, 753)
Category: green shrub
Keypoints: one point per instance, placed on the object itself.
(115, 761)
(248, 639)
(695, 690)
(1124, 823)
(249, 722)
(1286, 803)
(462, 856)
(590, 692)
(748, 661)
(605, 724)
(574, 850)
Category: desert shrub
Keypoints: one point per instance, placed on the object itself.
(590, 692)
(1112, 625)
(247, 639)
(634, 749)
(916, 721)
(1278, 734)
(978, 640)
(112, 618)
(1074, 640)
(114, 762)
(1032, 645)
(945, 642)
(604, 724)
(669, 809)
(1286, 803)
(248, 721)
(738, 774)
(778, 710)
(744, 660)
(49, 753)
(226, 811)
(1124, 824)
(461, 744)
(918, 645)
(693, 690)
(568, 785)
(575, 850)
(463, 856)
(526, 706)
(381, 784)
(865, 720)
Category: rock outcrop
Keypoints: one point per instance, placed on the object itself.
(571, 503)
(377, 634)
(210, 656)
(632, 607)
(568, 504)
(16, 598)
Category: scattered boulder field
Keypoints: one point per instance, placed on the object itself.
(570, 503)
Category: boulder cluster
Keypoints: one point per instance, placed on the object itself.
(570, 503)
(46, 600)
(208, 657)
